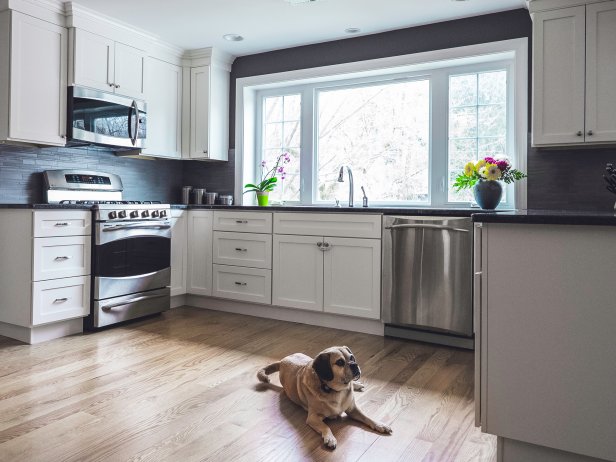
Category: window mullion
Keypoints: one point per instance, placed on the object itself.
(439, 116)
(307, 160)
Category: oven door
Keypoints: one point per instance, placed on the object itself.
(131, 257)
(105, 119)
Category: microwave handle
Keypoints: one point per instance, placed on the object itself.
(134, 109)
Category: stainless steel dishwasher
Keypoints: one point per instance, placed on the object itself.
(427, 279)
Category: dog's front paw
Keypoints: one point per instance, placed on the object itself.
(382, 428)
(330, 441)
(358, 386)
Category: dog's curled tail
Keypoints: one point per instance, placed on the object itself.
(262, 375)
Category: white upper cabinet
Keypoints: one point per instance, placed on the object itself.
(163, 95)
(33, 65)
(209, 113)
(574, 75)
(103, 64)
(601, 72)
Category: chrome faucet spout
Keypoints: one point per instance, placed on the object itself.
(341, 180)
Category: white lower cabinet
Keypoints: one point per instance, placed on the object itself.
(333, 275)
(239, 283)
(56, 300)
(179, 252)
(297, 272)
(200, 253)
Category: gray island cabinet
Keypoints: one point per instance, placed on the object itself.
(545, 321)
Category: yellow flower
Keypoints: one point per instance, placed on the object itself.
(469, 169)
(491, 172)
(480, 164)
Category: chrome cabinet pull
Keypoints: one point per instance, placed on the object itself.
(590, 133)
(61, 300)
(241, 250)
(241, 222)
(237, 283)
(62, 224)
(62, 258)
(580, 133)
(111, 85)
(205, 151)
(117, 86)
(324, 246)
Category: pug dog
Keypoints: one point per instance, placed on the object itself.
(324, 387)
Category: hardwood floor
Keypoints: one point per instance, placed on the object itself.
(182, 387)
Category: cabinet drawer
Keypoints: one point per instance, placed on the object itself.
(62, 223)
(246, 284)
(60, 299)
(61, 257)
(330, 224)
(243, 249)
(251, 222)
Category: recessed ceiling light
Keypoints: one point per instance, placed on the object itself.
(233, 37)
(352, 30)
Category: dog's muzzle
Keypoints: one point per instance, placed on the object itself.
(355, 370)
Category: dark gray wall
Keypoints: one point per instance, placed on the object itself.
(21, 179)
(558, 179)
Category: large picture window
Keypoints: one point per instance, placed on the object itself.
(405, 134)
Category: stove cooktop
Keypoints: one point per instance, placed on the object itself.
(84, 202)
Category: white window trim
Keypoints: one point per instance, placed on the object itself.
(516, 49)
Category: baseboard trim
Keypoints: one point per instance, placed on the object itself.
(178, 300)
(38, 334)
(365, 326)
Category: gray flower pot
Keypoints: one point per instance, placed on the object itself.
(488, 194)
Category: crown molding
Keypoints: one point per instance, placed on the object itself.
(545, 5)
(48, 10)
(202, 56)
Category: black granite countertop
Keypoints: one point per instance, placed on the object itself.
(465, 212)
(46, 206)
(547, 217)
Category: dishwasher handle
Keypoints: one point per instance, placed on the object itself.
(424, 226)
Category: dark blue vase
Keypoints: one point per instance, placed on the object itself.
(488, 194)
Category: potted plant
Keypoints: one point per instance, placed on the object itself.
(484, 177)
(268, 179)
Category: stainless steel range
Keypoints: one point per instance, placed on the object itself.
(131, 246)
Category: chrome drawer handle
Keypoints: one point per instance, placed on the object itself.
(579, 133)
(240, 283)
(241, 250)
(63, 258)
(241, 222)
(132, 300)
(590, 133)
(61, 300)
(62, 224)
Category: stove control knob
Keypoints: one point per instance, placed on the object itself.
(163, 213)
(155, 214)
(134, 214)
(122, 214)
(145, 214)
(113, 215)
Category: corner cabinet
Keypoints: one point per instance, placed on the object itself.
(340, 270)
(574, 74)
(101, 63)
(545, 351)
(33, 66)
(199, 274)
(163, 95)
(209, 113)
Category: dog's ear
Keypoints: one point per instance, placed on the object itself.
(322, 367)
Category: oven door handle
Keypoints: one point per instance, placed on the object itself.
(132, 300)
(133, 226)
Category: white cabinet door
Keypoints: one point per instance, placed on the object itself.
(93, 61)
(128, 71)
(352, 277)
(60, 299)
(163, 94)
(601, 72)
(559, 76)
(199, 112)
(297, 272)
(179, 252)
(38, 69)
(200, 255)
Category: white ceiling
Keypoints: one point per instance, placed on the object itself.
(274, 24)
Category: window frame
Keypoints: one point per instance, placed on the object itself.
(437, 65)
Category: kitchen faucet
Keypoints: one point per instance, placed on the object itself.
(341, 180)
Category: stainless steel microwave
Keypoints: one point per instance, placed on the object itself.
(105, 119)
